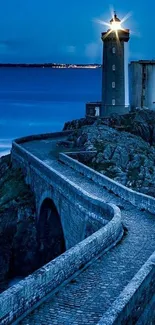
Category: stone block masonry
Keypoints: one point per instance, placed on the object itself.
(127, 308)
(74, 188)
(70, 201)
(78, 211)
(21, 297)
(139, 200)
(45, 136)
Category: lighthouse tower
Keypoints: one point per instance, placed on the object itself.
(113, 80)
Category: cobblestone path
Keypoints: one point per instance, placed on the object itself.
(87, 297)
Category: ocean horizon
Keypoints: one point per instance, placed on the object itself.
(36, 100)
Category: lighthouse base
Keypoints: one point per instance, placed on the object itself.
(96, 109)
(108, 110)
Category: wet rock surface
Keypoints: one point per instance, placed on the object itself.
(126, 157)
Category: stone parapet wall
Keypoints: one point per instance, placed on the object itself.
(131, 303)
(129, 306)
(34, 137)
(139, 200)
(81, 214)
(15, 301)
(27, 161)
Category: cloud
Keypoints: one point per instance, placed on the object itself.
(3, 47)
(93, 50)
(71, 49)
(10, 46)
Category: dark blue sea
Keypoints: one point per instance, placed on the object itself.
(41, 100)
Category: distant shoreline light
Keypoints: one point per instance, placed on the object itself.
(50, 65)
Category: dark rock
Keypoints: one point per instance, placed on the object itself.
(139, 122)
(66, 144)
(18, 238)
(77, 124)
(24, 248)
(122, 156)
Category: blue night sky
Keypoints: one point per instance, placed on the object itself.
(65, 31)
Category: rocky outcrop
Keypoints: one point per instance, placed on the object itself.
(77, 124)
(122, 156)
(18, 236)
(139, 122)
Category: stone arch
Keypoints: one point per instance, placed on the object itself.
(50, 232)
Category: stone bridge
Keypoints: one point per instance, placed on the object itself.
(98, 274)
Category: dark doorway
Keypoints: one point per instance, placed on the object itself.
(50, 233)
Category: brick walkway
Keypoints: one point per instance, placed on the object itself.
(87, 297)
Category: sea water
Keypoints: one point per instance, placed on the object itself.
(37, 100)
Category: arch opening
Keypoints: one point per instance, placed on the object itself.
(50, 232)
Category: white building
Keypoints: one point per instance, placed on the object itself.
(142, 84)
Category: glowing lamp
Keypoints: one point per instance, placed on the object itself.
(115, 23)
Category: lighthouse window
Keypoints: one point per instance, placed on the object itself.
(113, 50)
(113, 84)
(113, 67)
(113, 102)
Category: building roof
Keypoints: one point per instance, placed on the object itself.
(115, 18)
(144, 62)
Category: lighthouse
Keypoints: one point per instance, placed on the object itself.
(113, 69)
